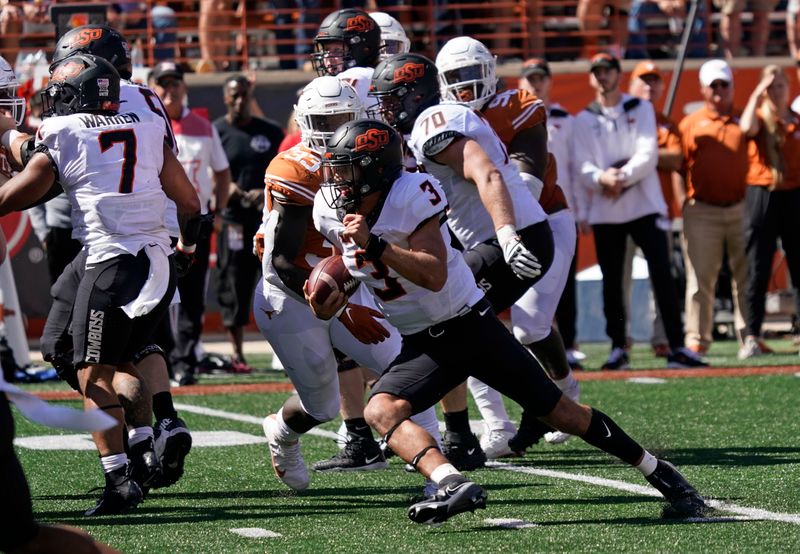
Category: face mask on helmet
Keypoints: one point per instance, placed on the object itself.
(472, 85)
(340, 187)
(316, 129)
(392, 48)
(59, 99)
(325, 105)
(466, 72)
(12, 105)
(362, 158)
(331, 58)
(391, 109)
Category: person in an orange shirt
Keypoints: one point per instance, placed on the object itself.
(715, 151)
(647, 83)
(772, 200)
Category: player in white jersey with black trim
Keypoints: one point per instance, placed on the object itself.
(391, 227)
(348, 45)
(172, 437)
(488, 202)
(467, 74)
(115, 170)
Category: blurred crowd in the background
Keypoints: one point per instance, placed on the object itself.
(212, 35)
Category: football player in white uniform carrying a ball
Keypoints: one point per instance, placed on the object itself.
(348, 45)
(305, 344)
(390, 227)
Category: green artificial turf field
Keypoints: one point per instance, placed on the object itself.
(737, 439)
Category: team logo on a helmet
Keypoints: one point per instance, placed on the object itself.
(408, 73)
(360, 24)
(66, 70)
(372, 140)
(85, 37)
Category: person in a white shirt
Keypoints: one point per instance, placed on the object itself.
(203, 158)
(616, 152)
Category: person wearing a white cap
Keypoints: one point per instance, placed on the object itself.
(616, 153)
(715, 152)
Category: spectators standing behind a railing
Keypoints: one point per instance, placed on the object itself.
(615, 142)
(772, 200)
(17, 18)
(537, 79)
(646, 83)
(715, 167)
(250, 143)
(592, 14)
(213, 45)
(730, 28)
(646, 41)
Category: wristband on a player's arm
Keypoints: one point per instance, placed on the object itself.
(185, 249)
(375, 247)
(506, 233)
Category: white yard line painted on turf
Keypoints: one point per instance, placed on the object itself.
(797, 374)
(754, 513)
(751, 513)
(201, 439)
(506, 523)
(256, 533)
(242, 417)
(647, 380)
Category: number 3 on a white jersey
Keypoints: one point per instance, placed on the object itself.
(127, 138)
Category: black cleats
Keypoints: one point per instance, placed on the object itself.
(463, 450)
(457, 496)
(358, 454)
(530, 431)
(173, 442)
(684, 500)
(120, 494)
(145, 467)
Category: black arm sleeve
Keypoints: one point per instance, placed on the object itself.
(290, 233)
(55, 189)
(528, 149)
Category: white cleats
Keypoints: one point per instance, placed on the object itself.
(287, 461)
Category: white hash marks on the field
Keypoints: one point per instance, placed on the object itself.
(84, 442)
(507, 523)
(255, 533)
(201, 410)
(747, 512)
(647, 380)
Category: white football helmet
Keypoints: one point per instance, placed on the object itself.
(9, 101)
(393, 37)
(324, 105)
(466, 66)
